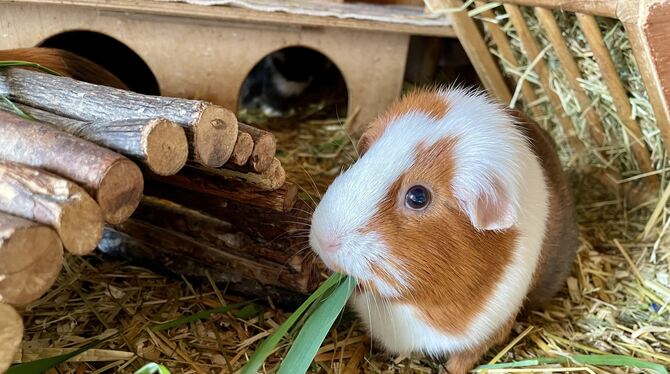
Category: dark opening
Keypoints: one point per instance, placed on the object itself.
(111, 54)
(434, 60)
(293, 82)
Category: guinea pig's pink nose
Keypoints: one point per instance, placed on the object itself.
(328, 245)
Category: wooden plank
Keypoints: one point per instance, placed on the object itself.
(505, 49)
(533, 51)
(648, 32)
(553, 32)
(604, 8)
(239, 15)
(619, 95)
(478, 52)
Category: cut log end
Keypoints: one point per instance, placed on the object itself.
(214, 136)
(23, 242)
(264, 151)
(243, 148)
(11, 335)
(81, 226)
(31, 283)
(120, 191)
(166, 147)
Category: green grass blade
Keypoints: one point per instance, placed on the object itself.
(15, 109)
(598, 360)
(9, 64)
(312, 334)
(198, 316)
(153, 368)
(42, 365)
(264, 349)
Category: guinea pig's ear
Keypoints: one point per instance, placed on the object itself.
(492, 209)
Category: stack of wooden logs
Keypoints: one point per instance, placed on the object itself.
(173, 183)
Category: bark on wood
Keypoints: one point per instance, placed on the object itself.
(48, 199)
(280, 200)
(231, 266)
(242, 150)
(271, 179)
(11, 335)
(23, 242)
(211, 129)
(265, 147)
(114, 181)
(238, 235)
(158, 143)
(163, 261)
(32, 282)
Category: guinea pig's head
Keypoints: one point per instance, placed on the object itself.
(438, 175)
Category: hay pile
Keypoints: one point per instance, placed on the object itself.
(616, 301)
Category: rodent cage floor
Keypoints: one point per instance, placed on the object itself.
(604, 308)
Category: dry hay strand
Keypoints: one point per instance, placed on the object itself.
(617, 300)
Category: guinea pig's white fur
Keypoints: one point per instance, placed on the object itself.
(488, 147)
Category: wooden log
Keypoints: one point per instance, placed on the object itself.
(269, 180)
(158, 143)
(11, 335)
(265, 147)
(24, 287)
(194, 179)
(45, 198)
(23, 242)
(238, 236)
(164, 261)
(65, 63)
(211, 129)
(234, 267)
(114, 181)
(242, 150)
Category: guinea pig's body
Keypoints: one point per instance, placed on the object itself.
(455, 216)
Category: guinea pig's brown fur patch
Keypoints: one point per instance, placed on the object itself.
(562, 233)
(429, 102)
(451, 267)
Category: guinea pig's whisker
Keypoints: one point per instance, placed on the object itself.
(316, 189)
(304, 211)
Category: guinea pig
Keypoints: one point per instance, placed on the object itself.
(456, 216)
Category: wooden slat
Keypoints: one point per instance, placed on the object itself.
(648, 34)
(532, 51)
(553, 32)
(478, 52)
(506, 52)
(604, 8)
(610, 76)
(240, 15)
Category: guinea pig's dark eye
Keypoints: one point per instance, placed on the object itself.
(417, 198)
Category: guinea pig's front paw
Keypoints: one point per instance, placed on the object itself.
(459, 363)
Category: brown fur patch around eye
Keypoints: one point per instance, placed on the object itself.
(429, 102)
(452, 266)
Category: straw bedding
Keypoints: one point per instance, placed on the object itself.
(616, 301)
